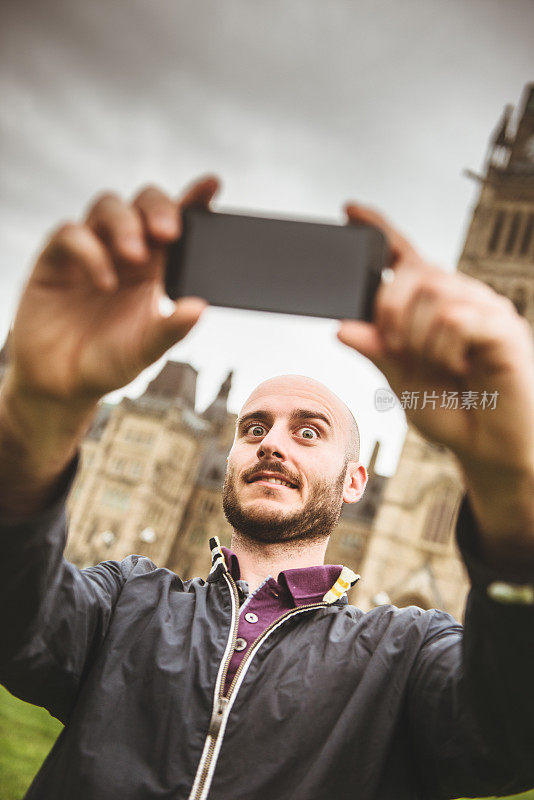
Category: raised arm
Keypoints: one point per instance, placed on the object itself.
(471, 697)
(88, 322)
(438, 332)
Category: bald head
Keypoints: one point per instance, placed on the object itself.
(303, 386)
(293, 463)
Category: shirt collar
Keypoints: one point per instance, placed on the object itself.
(304, 585)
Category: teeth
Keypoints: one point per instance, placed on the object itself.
(276, 480)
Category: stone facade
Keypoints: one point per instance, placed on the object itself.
(412, 557)
(138, 467)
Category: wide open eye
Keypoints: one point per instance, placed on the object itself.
(255, 429)
(308, 433)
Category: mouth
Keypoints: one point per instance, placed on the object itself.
(268, 479)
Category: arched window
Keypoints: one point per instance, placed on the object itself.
(526, 239)
(512, 233)
(496, 232)
(441, 515)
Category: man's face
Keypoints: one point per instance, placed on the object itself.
(287, 471)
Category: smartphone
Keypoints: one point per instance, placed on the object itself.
(281, 265)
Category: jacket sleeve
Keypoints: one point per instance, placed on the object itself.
(471, 695)
(54, 616)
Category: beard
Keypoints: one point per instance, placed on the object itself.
(314, 522)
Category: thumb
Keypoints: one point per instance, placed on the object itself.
(174, 323)
(365, 338)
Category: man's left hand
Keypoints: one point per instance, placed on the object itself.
(437, 336)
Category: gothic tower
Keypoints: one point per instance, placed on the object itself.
(499, 249)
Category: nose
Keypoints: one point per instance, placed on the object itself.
(272, 445)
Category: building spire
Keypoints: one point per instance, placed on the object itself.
(499, 143)
(371, 469)
(500, 134)
(217, 411)
(175, 380)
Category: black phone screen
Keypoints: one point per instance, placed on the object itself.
(285, 266)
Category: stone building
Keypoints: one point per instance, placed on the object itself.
(138, 473)
(412, 557)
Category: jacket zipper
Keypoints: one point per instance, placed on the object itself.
(200, 787)
(222, 705)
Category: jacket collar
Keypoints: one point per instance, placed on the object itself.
(326, 583)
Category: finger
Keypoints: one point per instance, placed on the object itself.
(495, 337)
(399, 244)
(447, 347)
(159, 213)
(404, 306)
(434, 301)
(464, 334)
(367, 340)
(120, 227)
(74, 248)
(174, 323)
(201, 192)
(422, 318)
(363, 337)
(392, 302)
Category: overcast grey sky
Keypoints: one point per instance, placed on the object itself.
(297, 105)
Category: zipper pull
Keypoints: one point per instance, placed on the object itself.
(217, 716)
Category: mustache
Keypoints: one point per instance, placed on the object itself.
(271, 467)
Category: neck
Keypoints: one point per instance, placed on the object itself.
(258, 560)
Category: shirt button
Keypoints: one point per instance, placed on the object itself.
(240, 644)
(250, 617)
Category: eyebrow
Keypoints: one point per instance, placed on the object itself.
(297, 414)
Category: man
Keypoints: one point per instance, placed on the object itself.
(262, 682)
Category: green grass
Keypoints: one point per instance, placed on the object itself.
(523, 796)
(26, 735)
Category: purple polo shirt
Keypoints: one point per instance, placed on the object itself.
(294, 587)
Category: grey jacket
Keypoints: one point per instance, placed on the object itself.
(332, 702)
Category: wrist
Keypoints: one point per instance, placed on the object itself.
(502, 501)
(39, 437)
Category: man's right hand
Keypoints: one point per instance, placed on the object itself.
(89, 321)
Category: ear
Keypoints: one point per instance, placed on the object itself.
(355, 482)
